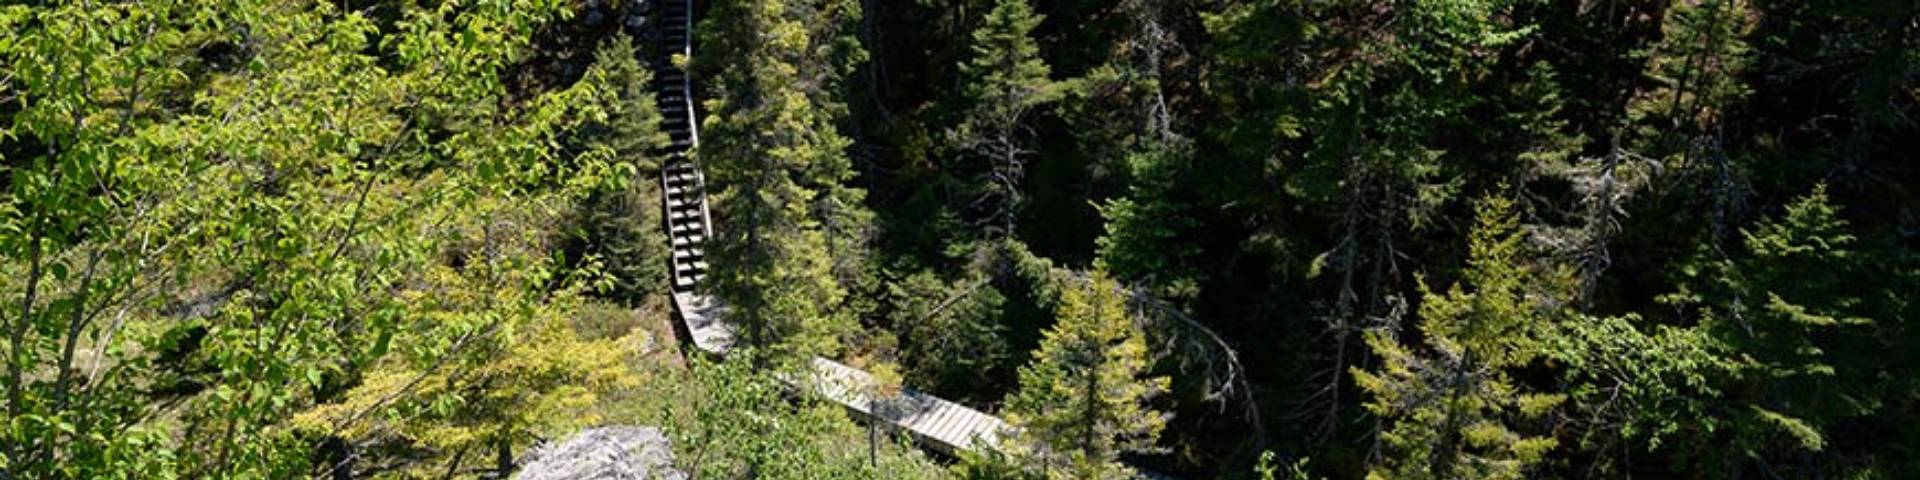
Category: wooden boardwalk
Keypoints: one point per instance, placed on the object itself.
(701, 316)
(937, 423)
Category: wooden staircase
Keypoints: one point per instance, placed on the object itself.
(689, 222)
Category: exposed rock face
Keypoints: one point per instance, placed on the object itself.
(604, 453)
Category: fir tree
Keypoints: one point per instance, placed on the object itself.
(780, 169)
(1452, 408)
(1143, 228)
(1796, 310)
(1005, 80)
(952, 332)
(1698, 68)
(1083, 401)
(620, 227)
(1142, 240)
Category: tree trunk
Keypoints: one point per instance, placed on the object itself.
(503, 460)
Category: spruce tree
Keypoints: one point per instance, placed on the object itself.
(620, 228)
(1450, 407)
(1083, 400)
(1143, 240)
(1005, 80)
(780, 169)
(1699, 69)
(1800, 311)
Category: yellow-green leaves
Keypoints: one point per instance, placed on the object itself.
(238, 210)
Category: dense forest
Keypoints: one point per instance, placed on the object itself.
(1421, 239)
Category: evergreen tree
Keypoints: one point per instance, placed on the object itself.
(1797, 308)
(952, 333)
(290, 238)
(1358, 112)
(1142, 241)
(1696, 66)
(620, 228)
(1450, 407)
(1005, 80)
(1083, 400)
(780, 168)
(1636, 386)
(1683, 119)
(1143, 228)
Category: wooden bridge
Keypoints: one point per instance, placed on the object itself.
(936, 423)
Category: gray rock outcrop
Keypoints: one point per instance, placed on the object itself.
(604, 453)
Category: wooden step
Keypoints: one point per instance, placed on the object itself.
(688, 262)
(689, 240)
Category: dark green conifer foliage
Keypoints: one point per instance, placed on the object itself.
(270, 238)
(951, 332)
(1143, 226)
(621, 228)
(779, 169)
(1698, 68)
(1799, 309)
(1005, 80)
